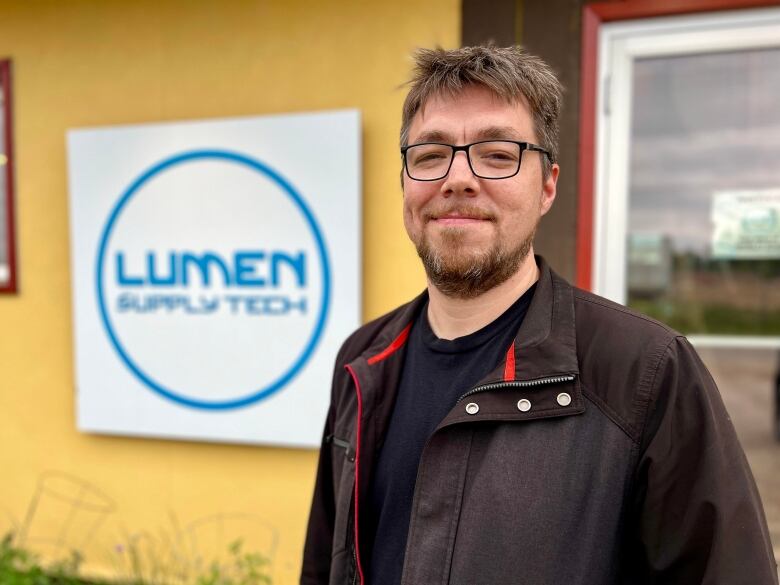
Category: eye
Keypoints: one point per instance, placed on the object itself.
(428, 154)
(500, 155)
(496, 153)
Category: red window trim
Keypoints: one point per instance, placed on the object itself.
(593, 15)
(5, 84)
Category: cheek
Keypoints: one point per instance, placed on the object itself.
(531, 198)
(410, 215)
(415, 199)
(517, 201)
(407, 213)
(521, 208)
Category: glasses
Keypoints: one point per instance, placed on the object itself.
(488, 159)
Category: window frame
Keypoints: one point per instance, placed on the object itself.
(9, 286)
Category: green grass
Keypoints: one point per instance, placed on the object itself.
(713, 320)
(19, 566)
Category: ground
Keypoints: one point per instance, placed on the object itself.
(746, 379)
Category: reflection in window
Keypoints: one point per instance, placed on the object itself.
(704, 208)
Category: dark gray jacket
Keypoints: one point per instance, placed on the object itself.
(624, 470)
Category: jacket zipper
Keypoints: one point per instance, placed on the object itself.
(354, 564)
(518, 384)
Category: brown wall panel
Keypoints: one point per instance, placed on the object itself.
(494, 22)
(551, 30)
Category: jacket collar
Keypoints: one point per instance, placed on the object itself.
(545, 344)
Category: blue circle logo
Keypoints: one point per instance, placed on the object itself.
(242, 274)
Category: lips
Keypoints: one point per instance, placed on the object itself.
(457, 220)
(459, 216)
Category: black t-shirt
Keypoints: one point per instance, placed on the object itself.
(436, 373)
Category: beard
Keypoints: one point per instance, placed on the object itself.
(460, 273)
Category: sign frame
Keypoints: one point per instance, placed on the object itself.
(128, 381)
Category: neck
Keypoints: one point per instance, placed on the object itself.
(454, 317)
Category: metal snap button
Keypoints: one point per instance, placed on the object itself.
(524, 405)
(472, 408)
(564, 399)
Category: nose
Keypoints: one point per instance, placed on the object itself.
(460, 179)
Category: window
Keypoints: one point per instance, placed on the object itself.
(687, 219)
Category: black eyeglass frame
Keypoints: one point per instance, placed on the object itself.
(465, 148)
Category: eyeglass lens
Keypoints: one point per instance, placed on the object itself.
(493, 160)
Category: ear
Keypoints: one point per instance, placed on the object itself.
(549, 189)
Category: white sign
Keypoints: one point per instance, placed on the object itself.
(746, 224)
(216, 271)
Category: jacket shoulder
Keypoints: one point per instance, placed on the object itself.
(594, 310)
(620, 352)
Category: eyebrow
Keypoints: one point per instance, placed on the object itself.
(497, 133)
(488, 133)
(433, 136)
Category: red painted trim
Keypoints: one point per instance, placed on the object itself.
(593, 15)
(629, 9)
(5, 83)
(357, 468)
(397, 344)
(587, 153)
(509, 367)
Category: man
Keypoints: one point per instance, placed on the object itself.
(505, 427)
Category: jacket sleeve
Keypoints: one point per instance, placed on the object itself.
(319, 535)
(318, 546)
(699, 515)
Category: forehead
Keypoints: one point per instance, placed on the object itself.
(474, 113)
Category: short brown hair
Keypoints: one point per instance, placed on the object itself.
(509, 72)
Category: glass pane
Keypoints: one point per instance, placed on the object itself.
(704, 192)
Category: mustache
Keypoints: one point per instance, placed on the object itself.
(458, 211)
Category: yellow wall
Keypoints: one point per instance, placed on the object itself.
(92, 63)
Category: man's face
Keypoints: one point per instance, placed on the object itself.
(473, 234)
